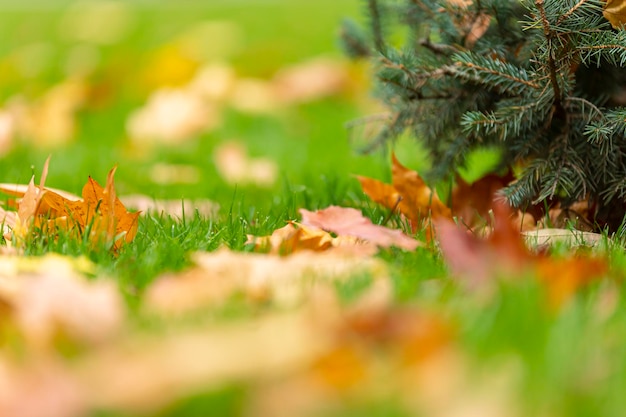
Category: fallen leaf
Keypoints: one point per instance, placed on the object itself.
(105, 212)
(471, 203)
(7, 132)
(280, 279)
(47, 296)
(214, 82)
(171, 116)
(236, 167)
(408, 193)
(177, 208)
(380, 192)
(503, 255)
(168, 174)
(99, 212)
(39, 388)
(311, 80)
(50, 121)
(292, 238)
(480, 261)
(169, 66)
(550, 236)
(147, 374)
(253, 96)
(563, 277)
(420, 201)
(350, 222)
(615, 12)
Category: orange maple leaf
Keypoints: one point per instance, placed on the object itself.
(408, 194)
(292, 238)
(99, 212)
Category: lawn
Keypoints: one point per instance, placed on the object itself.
(234, 116)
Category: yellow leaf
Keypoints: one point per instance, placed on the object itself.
(615, 12)
(293, 238)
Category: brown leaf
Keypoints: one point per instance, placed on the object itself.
(479, 261)
(418, 200)
(350, 222)
(100, 211)
(615, 12)
(380, 192)
(409, 194)
(472, 202)
(503, 255)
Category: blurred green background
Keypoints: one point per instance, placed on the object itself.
(72, 74)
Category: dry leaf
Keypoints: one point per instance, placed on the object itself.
(350, 222)
(7, 132)
(311, 80)
(172, 116)
(295, 237)
(543, 237)
(479, 261)
(408, 193)
(615, 12)
(105, 212)
(176, 208)
(281, 279)
(419, 201)
(472, 202)
(292, 238)
(345, 221)
(236, 167)
(380, 192)
(149, 373)
(253, 96)
(51, 120)
(39, 388)
(47, 296)
(214, 82)
(563, 277)
(100, 212)
(504, 255)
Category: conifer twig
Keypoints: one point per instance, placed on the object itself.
(547, 31)
(570, 11)
(377, 31)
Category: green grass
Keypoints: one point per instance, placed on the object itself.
(565, 363)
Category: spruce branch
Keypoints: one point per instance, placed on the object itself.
(545, 82)
(552, 68)
(570, 12)
(377, 31)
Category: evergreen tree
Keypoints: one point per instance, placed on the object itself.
(541, 79)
